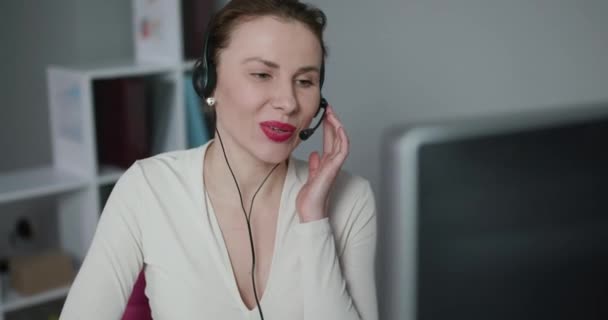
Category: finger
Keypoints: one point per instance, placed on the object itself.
(335, 123)
(345, 144)
(328, 133)
(337, 144)
(343, 147)
(313, 164)
(333, 112)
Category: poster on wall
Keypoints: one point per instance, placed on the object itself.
(156, 26)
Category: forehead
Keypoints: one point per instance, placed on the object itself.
(287, 42)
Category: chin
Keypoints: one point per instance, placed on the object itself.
(270, 152)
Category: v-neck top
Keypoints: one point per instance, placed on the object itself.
(157, 219)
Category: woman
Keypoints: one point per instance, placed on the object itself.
(201, 220)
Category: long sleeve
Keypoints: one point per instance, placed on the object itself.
(110, 268)
(341, 287)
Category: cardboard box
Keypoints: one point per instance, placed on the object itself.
(42, 272)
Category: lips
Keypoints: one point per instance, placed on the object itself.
(277, 131)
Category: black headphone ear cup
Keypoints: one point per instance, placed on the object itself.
(199, 79)
(204, 74)
(203, 79)
(210, 77)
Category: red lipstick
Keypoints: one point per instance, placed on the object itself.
(277, 131)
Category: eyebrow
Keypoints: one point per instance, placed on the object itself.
(274, 65)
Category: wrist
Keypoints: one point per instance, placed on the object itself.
(310, 217)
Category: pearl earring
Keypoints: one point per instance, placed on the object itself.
(210, 101)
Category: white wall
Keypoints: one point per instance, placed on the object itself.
(393, 61)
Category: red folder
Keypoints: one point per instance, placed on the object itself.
(121, 121)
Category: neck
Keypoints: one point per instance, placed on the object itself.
(249, 171)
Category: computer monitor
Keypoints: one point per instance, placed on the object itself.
(496, 218)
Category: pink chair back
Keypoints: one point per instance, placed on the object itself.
(138, 307)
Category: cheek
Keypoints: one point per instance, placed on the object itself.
(309, 102)
(240, 95)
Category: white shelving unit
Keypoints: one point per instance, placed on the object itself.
(75, 177)
(37, 182)
(13, 301)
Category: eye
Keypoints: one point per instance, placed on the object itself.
(305, 83)
(261, 75)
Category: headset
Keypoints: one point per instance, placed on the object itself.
(204, 79)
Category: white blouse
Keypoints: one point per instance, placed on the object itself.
(157, 216)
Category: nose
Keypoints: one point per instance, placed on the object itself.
(285, 98)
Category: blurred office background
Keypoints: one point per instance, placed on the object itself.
(391, 61)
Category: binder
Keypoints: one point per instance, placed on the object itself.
(121, 121)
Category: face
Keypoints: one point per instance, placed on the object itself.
(268, 86)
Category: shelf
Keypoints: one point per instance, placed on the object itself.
(37, 182)
(13, 301)
(109, 175)
(119, 69)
